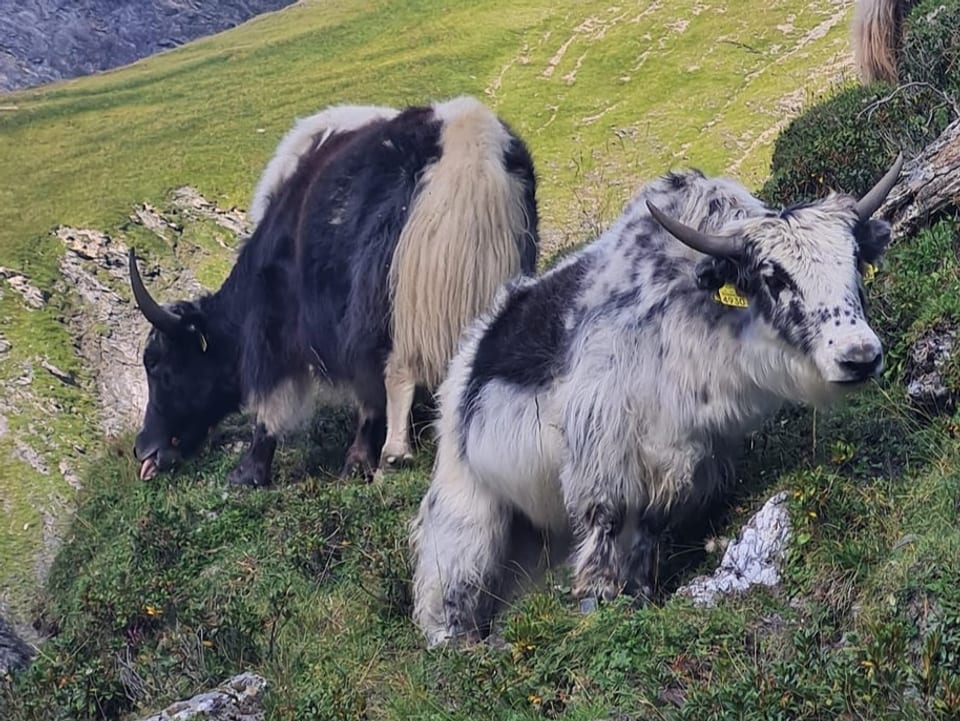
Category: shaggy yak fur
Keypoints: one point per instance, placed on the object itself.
(379, 235)
(593, 407)
(875, 35)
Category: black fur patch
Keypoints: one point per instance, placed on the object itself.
(526, 344)
(873, 237)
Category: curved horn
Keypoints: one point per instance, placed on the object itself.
(709, 244)
(871, 202)
(159, 317)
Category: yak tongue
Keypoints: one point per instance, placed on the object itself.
(148, 469)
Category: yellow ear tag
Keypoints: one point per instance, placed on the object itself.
(869, 270)
(729, 295)
(203, 343)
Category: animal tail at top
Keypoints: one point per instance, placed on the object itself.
(464, 238)
(875, 36)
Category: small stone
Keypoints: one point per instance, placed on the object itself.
(237, 699)
(32, 296)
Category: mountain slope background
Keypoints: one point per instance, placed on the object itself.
(306, 582)
(46, 40)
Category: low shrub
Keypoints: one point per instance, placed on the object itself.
(930, 47)
(846, 142)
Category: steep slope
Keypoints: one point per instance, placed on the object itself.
(605, 94)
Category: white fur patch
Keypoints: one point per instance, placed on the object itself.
(307, 132)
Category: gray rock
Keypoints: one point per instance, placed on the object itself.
(31, 295)
(927, 388)
(14, 653)
(238, 699)
(192, 202)
(753, 558)
(46, 40)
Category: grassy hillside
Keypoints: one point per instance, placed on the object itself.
(166, 587)
(605, 94)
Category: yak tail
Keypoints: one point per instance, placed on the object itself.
(875, 35)
(306, 134)
(462, 241)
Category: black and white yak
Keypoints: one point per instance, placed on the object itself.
(875, 35)
(595, 406)
(379, 234)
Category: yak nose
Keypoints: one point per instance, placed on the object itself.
(863, 361)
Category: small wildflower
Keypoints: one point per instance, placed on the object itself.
(152, 610)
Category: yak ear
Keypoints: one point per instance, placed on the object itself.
(195, 328)
(715, 272)
(874, 238)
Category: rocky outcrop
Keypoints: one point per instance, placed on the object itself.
(46, 40)
(754, 558)
(239, 699)
(110, 331)
(927, 386)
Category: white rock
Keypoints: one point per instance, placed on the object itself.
(753, 558)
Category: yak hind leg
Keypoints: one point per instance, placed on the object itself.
(460, 542)
(361, 456)
(400, 387)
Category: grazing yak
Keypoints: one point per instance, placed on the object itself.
(595, 406)
(379, 235)
(875, 36)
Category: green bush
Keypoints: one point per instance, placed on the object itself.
(846, 142)
(930, 48)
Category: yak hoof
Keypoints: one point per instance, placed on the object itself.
(396, 461)
(589, 604)
(248, 474)
(357, 463)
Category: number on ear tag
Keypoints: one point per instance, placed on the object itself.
(729, 295)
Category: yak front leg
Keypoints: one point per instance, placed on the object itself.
(616, 555)
(641, 542)
(256, 464)
(285, 408)
(598, 563)
(400, 385)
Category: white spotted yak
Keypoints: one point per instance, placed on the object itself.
(596, 406)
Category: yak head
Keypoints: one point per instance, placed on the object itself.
(801, 273)
(191, 379)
